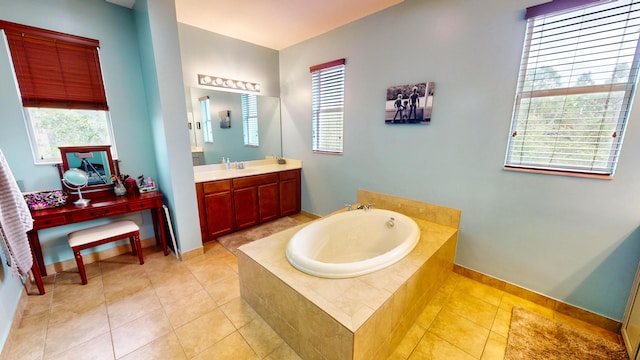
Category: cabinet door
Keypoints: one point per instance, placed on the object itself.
(269, 199)
(246, 206)
(290, 193)
(219, 210)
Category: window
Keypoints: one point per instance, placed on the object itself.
(327, 106)
(250, 119)
(50, 127)
(576, 82)
(206, 119)
(60, 84)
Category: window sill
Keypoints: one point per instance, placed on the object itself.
(560, 173)
(327, 152)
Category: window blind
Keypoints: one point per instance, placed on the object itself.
(327, 106)
(577, 78)
(205, 110)
(250, 119)
(55, 70)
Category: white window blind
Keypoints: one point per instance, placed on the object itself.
(250, 119)
(576, 82)
(205, 111)
(327, 106)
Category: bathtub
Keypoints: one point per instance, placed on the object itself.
(352, 243)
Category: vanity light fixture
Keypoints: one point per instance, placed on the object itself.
(217, 81)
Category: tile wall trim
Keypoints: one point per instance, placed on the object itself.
(310, 215)
(556, 305)
(191, 254)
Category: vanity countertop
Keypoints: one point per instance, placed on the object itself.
(214, 172)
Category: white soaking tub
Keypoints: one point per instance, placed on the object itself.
(352, 243)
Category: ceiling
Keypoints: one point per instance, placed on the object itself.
(275, 24)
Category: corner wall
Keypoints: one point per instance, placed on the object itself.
(162, 70)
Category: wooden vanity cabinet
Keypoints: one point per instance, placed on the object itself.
(215, 200)
(229, 205)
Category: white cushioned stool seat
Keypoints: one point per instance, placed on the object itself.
(89, 235)
(102, 234)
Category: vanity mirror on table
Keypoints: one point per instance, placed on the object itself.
(216, 129)
(94, 163)
(96, 186)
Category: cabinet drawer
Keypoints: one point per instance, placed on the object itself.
(289, 174)
(90, 214)
(141, 205)
(248, 181)
(216, 186)
(50, 221)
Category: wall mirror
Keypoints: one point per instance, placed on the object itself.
(96, 161)
(229, 142)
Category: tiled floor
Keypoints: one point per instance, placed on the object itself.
(167, 309)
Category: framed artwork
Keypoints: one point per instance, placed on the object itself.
(409, 104)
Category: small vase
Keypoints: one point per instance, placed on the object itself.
(131, 185)
(119, 189)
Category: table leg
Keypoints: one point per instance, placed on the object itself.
(37, 277)
(34, 241)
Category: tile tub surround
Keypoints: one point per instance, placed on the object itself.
(356, 318)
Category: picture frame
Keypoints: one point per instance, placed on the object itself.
(409, 104)
(225, 119)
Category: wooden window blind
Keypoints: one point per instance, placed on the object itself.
(327, 106)
(577, 78)
(55, 70)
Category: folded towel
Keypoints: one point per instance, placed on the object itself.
(15, 222)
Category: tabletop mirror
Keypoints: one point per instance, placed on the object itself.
(95, 161)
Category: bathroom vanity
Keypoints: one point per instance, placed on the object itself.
(234, 199)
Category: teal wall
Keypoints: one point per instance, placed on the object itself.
(10, 290)
(572, 239)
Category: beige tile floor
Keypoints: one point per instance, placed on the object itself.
(167, 309)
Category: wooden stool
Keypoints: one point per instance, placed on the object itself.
(98, 235)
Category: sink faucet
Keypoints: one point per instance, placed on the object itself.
(365, 207)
